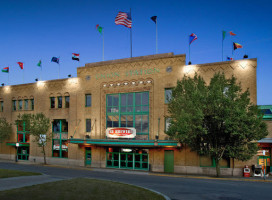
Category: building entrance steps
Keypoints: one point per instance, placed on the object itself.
(22, 181)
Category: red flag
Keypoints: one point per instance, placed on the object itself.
(236, 46)
(231, 33)
(21, 65)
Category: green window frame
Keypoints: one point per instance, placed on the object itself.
(60, 138)
(88, 100)
(1, 106)
(32, 104)
(67, 101)
(88, 125)
(14, 105)
(167, 95)
(52, 102)
(22, 132)
(128, 110)
(133, 160)
(59, 101)
(26, 104)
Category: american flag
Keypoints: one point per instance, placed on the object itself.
(192, 38)
(123, 18)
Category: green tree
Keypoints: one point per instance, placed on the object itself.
(38, 125)
(216, 120)
(5, 129)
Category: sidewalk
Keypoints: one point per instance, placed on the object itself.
(22, 181)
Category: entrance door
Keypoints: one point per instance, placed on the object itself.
(88, 156)
(168, 161)
(22, 153)
(126, 160)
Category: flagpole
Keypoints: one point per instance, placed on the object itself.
(232, 50)
(41, 72)
(130, 37)
(103, 43)
(189, 53)
(222, 47)
(8, 77)
(156, 35)
(59, 68)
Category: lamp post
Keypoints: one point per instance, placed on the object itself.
(16, 155)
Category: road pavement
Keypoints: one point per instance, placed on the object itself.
(174, 186)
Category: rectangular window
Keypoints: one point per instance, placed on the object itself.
(59, 102)
(88, 125)
(167, 123)
(67, 102)
(52, 102)
(26, 104)
(168, 95)
(60, 137)
(14, 106)
(32, 104)
(88, 100)
(1, 106)
(20, 104)
(129, 110)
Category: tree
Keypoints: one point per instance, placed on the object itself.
(216, 120)
(38, 127)
(5, 129)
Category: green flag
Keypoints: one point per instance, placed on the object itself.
(39, 63)
(224, 34)
(99, 28)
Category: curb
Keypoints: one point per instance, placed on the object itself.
(212, 178)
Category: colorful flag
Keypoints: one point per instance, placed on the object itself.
(123, 18)
(39, 64)
(236, 46)
(55, 59)
(231, 33)
(75, 56)
(99, 28)
(192, 38)
(229, 58)
(21, 65)
(154, 19)
(6, 70)
(224, 34)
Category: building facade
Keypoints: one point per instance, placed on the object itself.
(114, 115)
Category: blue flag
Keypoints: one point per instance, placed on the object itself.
(55, 59)
(154, 19)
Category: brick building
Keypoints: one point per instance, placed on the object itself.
(114, 115)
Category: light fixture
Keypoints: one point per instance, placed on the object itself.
(36, 79)
(245, 56)
(69, 75)
(189, 63)
(3, 84)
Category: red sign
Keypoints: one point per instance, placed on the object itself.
(121, 132)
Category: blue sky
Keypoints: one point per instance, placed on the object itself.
(32, 30)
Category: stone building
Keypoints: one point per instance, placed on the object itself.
(114, 115)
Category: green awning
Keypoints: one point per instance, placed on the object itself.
(128, 143)
(21, 144)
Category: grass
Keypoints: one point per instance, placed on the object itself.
(80, 188)
(7, 173)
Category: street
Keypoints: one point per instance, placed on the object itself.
(172, 186)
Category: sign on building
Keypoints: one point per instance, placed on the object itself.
(121, 132)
